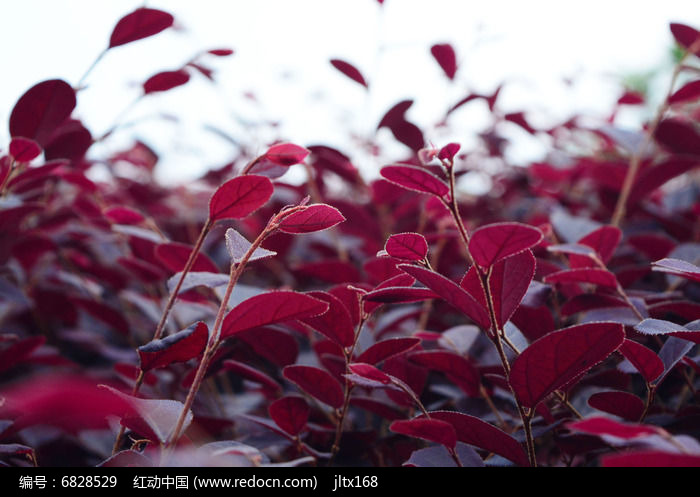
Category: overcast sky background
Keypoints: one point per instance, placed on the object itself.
(282, 51)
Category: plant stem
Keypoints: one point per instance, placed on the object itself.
(636, 159)
(89, 69)
(453, 207)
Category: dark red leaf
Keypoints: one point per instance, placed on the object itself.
(415, 179)
(276, 346)
(331, 271)
(290, 413)
(519, 119)
(381, 408)
(286, 154)
(451, 292)
(19, 351)
(178, 347)
(279, 306)
(685, 35)
(407, 246)
(656, 176)
(252, 374)
(631, 98)
(105, 313)
(317, 383)
(473, 431)
(678, 136)
(41, 110)
(350, 71)
(678, 267)
(561, 356)
(445, 56)
(174, 256)
(404, 131)
(438, 457)
(508, 281)
(457, 367)
(123, 215)
(489, 244)
(240, 197)
(220, 52)
(588, 301)
(432, 430)
(603, 240)
(139, 24)
(602, 426)
(688, 92)
(370, 372)
(623, 404)
(595, 276)
(166, 80)
(386, 349)
(24, 149)
(315, 217)
(651, 459)
(448, 151)
(336, 323)
(399, 295)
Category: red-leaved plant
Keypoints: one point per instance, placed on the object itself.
(348, 321)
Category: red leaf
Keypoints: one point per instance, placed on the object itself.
(494, 242)
(452, 293)
(24, 149)
(252, 374)
(560, 357)
(286, 154)
(123, 215)
(432, 430)
(220, 52)
(655, 176)
(41, 110)
(685, 35)
(399, 295)
(448, 151)
(350, 71)
(457, 367)
(276, 346)
(473, 431)
(623, 404)
(278, 306)
(445, 56)
(603, 240)
(415, 179)
(508, 281)
(240, 197)
(386, 349)
(315, 217)
(678, 136)
(645, 360)
(166, 80)
(336, 323)
(678, 267)
(631, 98)
(19, 351)
(407, 133)
(174, 257)
(407, 246)
(178, 347)
(139, 24)
(595, 276)
(290, 413)
(688, 92)
(370, 372)
(317, 383)
(104, 313)
(602, 426)
(650, 459)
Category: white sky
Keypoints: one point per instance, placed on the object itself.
(282, 53)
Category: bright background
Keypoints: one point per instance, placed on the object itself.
(556, 58)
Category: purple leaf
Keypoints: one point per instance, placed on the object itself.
(415, 179)
(451, 292)
(139, 24)
(166, 80)
(432, 430)
(317, 383)
(350, 71)
(560, 357)
(445, 56)
(315, 217)
(678, 267)
(41, 110)
(439, 457)
(623, 404)
(279, 306)
(178, 347)
(407, 246)
(240, 197)
(250, 373)
(237, 246)
(489, 244)
(650, 459)
(474, 431)
(290, 413)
